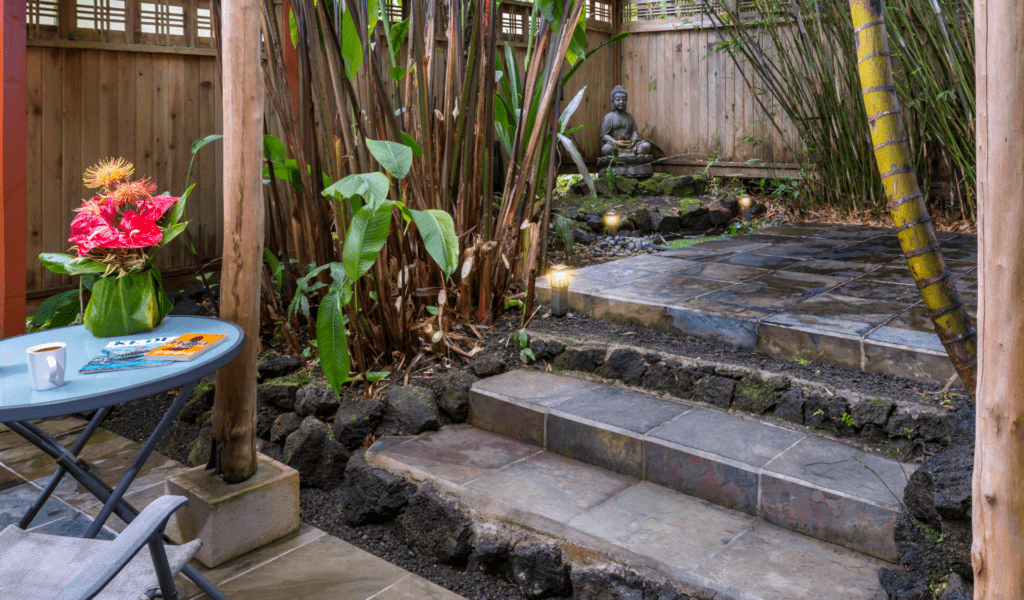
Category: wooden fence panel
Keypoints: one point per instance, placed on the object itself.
(86, 105)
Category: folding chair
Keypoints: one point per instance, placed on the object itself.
(37, 566)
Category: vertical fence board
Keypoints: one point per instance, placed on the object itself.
(52, 201)
(177, 146)
(206, 167)
(33, 167)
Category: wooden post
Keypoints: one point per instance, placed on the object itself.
(234, 410)
(12, 169)
(998, 503)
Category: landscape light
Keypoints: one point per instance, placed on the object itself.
(611, 222)
(559, 278)
(746, 201)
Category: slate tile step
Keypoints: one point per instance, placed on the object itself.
(706, 549)
(788, 477)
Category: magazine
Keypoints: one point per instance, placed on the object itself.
(127, 354)
(187, 346)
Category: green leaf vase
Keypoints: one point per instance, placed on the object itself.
(126, 305)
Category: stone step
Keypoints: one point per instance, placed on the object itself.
(787, 477)
(599, 517)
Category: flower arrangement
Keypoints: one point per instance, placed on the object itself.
(117, 235)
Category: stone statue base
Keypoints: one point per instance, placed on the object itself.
(632, 166)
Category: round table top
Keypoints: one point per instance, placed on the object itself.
(83, 392)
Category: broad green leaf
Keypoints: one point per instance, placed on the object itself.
(580, 164)
(172, 232)
(56, 262)
(331, 343)
(412, 143)
(438, 232)
(293, 28)
(375, 376)
(366, 235)
(274, 150)
(351, 46)
(178, 208)
(394, 157)
(514, 81)
(399, 32)
(571, 108)
(52, 306)
(84, 266)
(577, 50)
(579, 64)
(66, 315)
(276, 268)
(373, 14)
(397, 73)
(88, 281)
(338, 277)
(204, 141)
(372, 187)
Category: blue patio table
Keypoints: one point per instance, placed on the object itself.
(20, 404)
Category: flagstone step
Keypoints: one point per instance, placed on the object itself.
(602, 517)
(787, 477)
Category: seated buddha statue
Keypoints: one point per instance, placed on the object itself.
(623, 149)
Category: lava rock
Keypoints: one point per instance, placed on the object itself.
(317, 399)
(904, 585)
(791, 406)
(372, 495)
(642, 221)
(626, 185)
(940, 488)
(316, 455)
(195, 292)
(435, 527)
(546, 349)
(538, 570)
(902, 425)
(582, 236)
(594, 222)
(200, 402)
(585, 360)
(453, 394)
(759, 209)
(651, 187)
(686, 380)
(957, 589)
(715, 390)
(872, 412)
(186, 306)
(732, 205)
(825, 412)
(410, 410)
(659, 377)
(682, 187)
(265, 417)
(202, 446)
(755, 395)
(280, 392)
(930, 552)
(719, 216)
(693, 215)
(271, 366)
(664, 223)
(494, 555)
(625, 364)
(356, 420)
(934, 426)
(488, 366)
(284, 425)
(606, 583)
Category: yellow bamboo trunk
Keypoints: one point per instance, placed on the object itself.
(906, 202)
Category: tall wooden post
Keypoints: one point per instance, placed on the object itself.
(234, 411)
(12, 169)
(998, 500)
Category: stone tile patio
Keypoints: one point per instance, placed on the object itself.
(840, 295)
(307, 565)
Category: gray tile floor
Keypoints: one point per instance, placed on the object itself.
(308, 565)
(840, 294)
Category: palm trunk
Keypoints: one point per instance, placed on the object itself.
(906, 202)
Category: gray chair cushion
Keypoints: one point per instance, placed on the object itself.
(35, 566)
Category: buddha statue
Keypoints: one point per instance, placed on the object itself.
(623, 149)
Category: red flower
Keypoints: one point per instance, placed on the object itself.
(157, 206)
(138, 231)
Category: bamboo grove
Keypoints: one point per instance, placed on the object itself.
(798, 58)
(371, 121)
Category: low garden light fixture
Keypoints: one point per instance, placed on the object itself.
(559, 277)
(611, 222)
(746, 202)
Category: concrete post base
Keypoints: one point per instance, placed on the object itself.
(232, 519)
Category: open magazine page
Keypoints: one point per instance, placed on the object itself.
(127, 354)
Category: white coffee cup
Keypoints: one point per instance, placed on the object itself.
(46, 365)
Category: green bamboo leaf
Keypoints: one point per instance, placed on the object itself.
(293, 28)
(351, 46)
(373, 14)
(372, 187)
(438, 232)
(198, 144)
(394, 157)
(411, 142)
(56, 262)
(331, 343)
(399, 32)
(52, 305)
(366, 235)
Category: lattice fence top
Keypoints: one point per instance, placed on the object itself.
(695, 11)
(183, 23)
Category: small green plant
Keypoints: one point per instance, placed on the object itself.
(522, 341)
(818, 412)
(564, 182)
(807, 357)
(513, 303)
(847, 419)
(566, 228)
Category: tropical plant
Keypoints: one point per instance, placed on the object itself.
(566, 229)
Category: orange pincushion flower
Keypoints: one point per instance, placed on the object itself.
(108, 173)
(133, 192)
